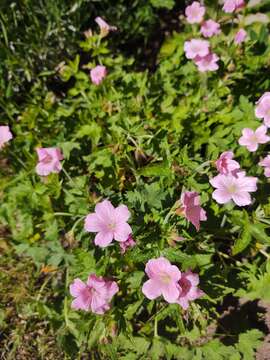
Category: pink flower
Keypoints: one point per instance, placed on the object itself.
(189, 290)
(240, 36)
(262, 110)
(94, 295)
(129, 243)
(236, 188)
(210, 28)
(109, 223)
(225, 163)
(207, 63)
(251, 139)
(104, 27)
(195, 13)
(98, 73)
(233, 5)
(266, 164)
(191, 208)
(49, 161)
(163, 278)
(5, 135)
(196, 47)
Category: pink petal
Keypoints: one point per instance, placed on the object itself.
(151, 289)
(122, 231)
(103, 239)
(93, 223)
(242, 198)
(170, 292)
(221, 196)
(77, 287)
(122, 213)
(105, 211)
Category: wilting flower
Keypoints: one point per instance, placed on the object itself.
(189, 291)
(196, 47)
(195, 12)
(163, 279)
(109, 223)
(262, 110)
(98, 73)
(233, 5)
(236, 188)
(192, 209)
(129, 243)
(207, 63)
(251, 139)
(240, 36)
(49, 161)
(210, 28)
(225, 163)
(104, 27)
(94, 295)
(266, 164)
(5, 135)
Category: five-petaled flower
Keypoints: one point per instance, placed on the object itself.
(49, 161)
(97, 74)
(262, 110)
(188, 288)
(207, 63)
(94, 295)
(191, 208)
(240, 36)
(226, 165)
(210, 28)
(251, 139)
(233, 5)
(237, 188)
(266, 164)
(5, 135)
(195, 13)
(105, 28)
(163, 280)
(196, 47)
(109, 223)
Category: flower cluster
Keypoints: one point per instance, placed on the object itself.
(200, 50)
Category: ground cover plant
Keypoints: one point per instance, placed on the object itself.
(135, 202)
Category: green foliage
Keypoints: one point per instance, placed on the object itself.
(140, 138)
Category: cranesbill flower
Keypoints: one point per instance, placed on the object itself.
(236, 188)
(5, 135)
(109, 223)
(196, 47)
(192, 209)
(210, 28)
(188, 287)
(94, 295)
(251, 139)
(240, 36)
(129, 243)
(49, 161)
(163, 279)
(207, 63)
(225, 163)
(195, 12)
(98, 73)
(233, 5)
(266, 164)
(262, 110)
(105, 28)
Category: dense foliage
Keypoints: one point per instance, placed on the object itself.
(142, 139)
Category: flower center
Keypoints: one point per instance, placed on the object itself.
(112, 226)
(232, 188)
(165, 278)
(47, 159)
